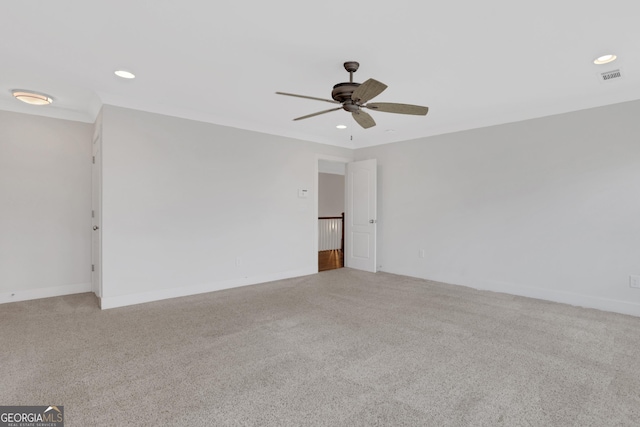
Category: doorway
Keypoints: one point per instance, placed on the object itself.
(359, 186)
(331, 207)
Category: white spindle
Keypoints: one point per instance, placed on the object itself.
(329, 234)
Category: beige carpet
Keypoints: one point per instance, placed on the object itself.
(341, 348)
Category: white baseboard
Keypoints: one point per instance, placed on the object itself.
(48, 292)
(161, 294)
(564, 297)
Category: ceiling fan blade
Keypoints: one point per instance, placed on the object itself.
(308, 97)
(364, 119)
(390, 107)
(318, 113)
(368, 90)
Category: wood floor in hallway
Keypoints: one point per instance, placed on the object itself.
(330, 260)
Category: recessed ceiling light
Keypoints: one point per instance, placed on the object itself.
(32, 98)
(125, 74)
(605, 59)
(341, 126)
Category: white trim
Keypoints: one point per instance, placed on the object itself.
(563, 297)
(162, 294)
(579, 300)
(48, 292)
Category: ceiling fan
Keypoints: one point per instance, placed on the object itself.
(353, 97)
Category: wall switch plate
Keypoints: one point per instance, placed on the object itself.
(303, 194)
(422, 253)
(634, 282)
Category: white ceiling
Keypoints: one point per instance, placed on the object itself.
(473, 63)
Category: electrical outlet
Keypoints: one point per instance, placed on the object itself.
(238, 261)
(634, 282)
(422, 253)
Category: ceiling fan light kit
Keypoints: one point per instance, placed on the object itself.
(353, 97)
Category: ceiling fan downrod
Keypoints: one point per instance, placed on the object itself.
(351, 67)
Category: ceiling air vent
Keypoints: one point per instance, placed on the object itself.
(611, 75)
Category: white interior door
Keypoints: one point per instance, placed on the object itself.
(96, 211)
(360, 215)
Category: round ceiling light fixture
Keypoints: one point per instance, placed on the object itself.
(605, 59)
(32, 98)
(125, 74)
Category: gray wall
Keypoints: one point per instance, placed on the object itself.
(191, 207)
(330, 194)
(547, 208)
(45, 206)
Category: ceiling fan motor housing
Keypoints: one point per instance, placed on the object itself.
(342, 91)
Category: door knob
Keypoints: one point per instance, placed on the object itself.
(372, 221)
(95, 227)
